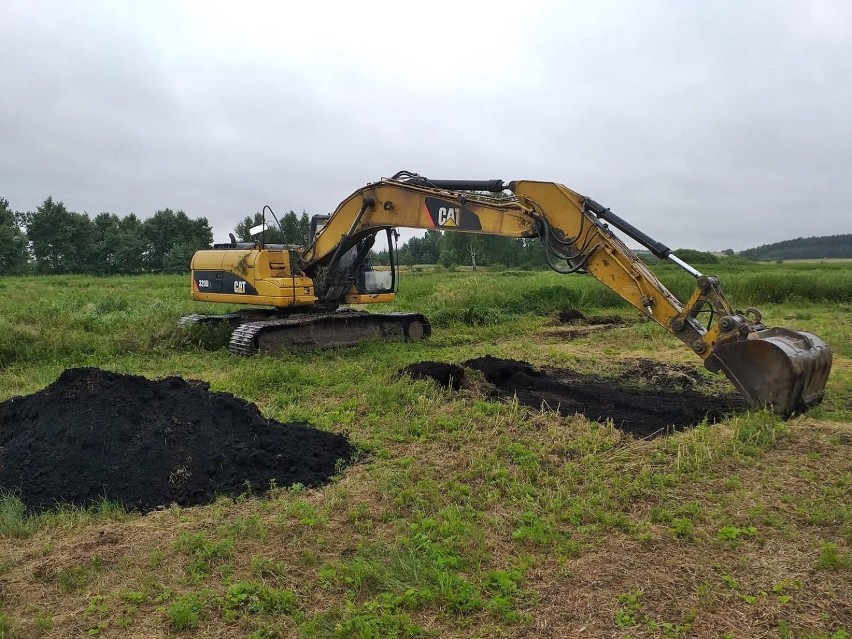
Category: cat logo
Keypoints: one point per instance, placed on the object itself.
(239, 286)
(440, 213)
(448, 216)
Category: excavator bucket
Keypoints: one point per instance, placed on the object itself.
(778, 368)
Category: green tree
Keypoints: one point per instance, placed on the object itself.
(106, 239)
(380, 258)
(60, 239)
(13, 242)
(119, 244)
(293, 230)
(290, 229)
(179, 258)
(167, 229)
(303, 229)
(273, 234)
(463, 248)
(129, 254)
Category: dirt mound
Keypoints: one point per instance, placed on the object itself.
(447, 375)
(639, 411)
(570, 315)
(658, 374)
(573, 316)
(144, 443)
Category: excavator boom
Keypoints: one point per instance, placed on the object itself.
(775, 367)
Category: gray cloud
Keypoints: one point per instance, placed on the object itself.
(708, 125)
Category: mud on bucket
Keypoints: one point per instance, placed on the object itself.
(779, 368)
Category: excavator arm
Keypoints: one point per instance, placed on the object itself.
(775, 367)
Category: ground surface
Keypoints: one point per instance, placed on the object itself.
(468, 513)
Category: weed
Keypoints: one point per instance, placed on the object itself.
(629, 614)
(96, 612)
(266, 568)
(7, 627)
(629, 607)
(306, 513)
(97, 607)
(504, 589)
(533, 530)
(248, 527)
(729, 581)
(75, 578)
(361, 518)
(43, 620)
(252, 598)
(522, 456)
(185, 612)
(205, 553)
(13, 517)
(783, 587)
(733, 533)
(682, 527)
(830, 558)
(374, 619)
(17, 522)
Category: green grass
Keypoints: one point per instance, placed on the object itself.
(17, 521)
(463, 517)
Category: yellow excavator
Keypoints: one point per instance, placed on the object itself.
(301, 289)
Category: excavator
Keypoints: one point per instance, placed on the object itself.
(303, 291)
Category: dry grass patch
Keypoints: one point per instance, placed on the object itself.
(749, 565)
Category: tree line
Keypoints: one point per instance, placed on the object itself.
(804, 248)
(53, 240)
(468, 249)
(474, 249)
(291, 228)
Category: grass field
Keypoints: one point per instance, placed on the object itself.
(464, 517)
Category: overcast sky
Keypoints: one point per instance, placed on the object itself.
(709, 125)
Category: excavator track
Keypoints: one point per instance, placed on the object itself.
(331, 330)
(312, 331)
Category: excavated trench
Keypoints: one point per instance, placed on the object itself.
(646, 398)
(94, 434)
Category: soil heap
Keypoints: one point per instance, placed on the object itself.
(670, 404)
(447, 375)
(94, 434)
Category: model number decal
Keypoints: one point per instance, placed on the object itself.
(203, 283)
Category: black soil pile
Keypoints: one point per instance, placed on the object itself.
(447, 375)
(574, 324)
(575, 317)
(643, 412)
(143, 443)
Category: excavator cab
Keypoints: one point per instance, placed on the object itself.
(317, 222)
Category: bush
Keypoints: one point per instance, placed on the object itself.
(691, 256)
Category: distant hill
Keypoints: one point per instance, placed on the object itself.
(804, 248)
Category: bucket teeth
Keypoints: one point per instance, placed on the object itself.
(777, 368)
